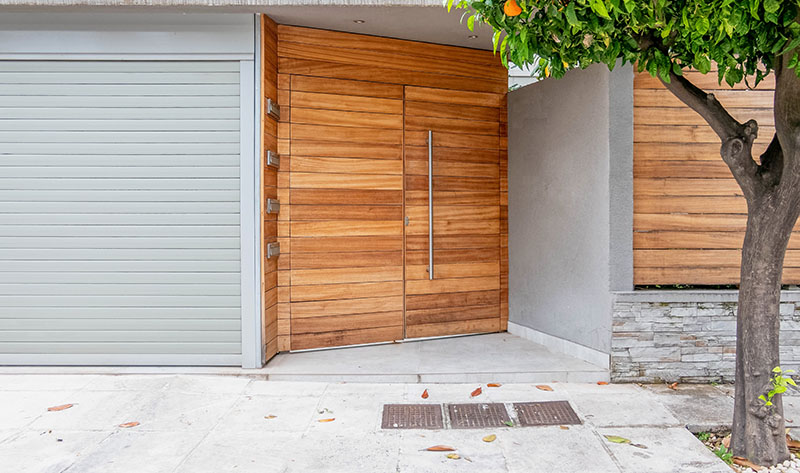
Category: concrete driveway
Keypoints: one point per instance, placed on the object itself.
(220, 424)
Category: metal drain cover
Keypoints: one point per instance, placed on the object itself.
(546, 413)
(476, 416)
(412, 416)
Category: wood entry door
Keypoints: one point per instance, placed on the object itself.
(355, 113)
(463, 294)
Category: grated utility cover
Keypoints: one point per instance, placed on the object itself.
(545, 413)
(412, 416)
(477, 415)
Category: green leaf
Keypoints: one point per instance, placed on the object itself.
(449, 5)
(754, 4)
(791, 381)
(509, 423)
(630, 5)
(616, 439)
(677, 69)
(701, 25)
(599, 7)
(702, 64)
(777, 369)
(471, 23)
(572, 18)
(772, 6)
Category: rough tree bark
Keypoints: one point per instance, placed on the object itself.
(772, 190)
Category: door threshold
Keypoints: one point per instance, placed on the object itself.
(404, 340)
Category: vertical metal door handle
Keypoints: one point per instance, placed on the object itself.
(430, 204)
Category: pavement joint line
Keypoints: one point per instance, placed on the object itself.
(208, 432)
(608, 451)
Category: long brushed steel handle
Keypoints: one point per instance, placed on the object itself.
(430, 204)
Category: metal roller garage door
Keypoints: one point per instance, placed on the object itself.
(119, 212)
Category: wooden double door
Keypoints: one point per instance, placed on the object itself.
(360, 209)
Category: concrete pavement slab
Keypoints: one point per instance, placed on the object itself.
(604, 410)
(322, 451)
(241, 452)
(177, 411)
(700, 407)
(476, 455)
(91, 411)
(198, 423)
(525, 393)
(669, 450)
(127, 451)
(292, 414)
(197, 384)
(46, 451)
(285, 388)
(45, 382)
(551, 448)
(20, 408)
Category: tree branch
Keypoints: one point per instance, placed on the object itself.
(771, 168)
(724, 125)
(737, 139)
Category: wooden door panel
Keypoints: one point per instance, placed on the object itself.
(465, 294)
(346, 212)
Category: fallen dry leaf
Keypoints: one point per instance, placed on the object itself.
(544, 387)
(745, 462)
(128, 425)
(453, 456)
(727, 441)
(425, 394)
(673, 386)
(270, 416)
(790, 442)
(476, 392)
(327, 420)
(59, 408)
(489, 438)
(563, 427)
(602, 383)
(493, 385)
(440, 448)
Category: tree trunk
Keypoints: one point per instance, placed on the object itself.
(758, 430)
(773, 206)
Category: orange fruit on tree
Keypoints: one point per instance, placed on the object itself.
(511, 8)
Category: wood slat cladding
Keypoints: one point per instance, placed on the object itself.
(689, 213)
(353, 142)
(269, 229)
(466, 159)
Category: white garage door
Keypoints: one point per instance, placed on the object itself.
(119, 212)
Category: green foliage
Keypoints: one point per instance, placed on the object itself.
(704, 436)
(552, 36)
(724, 454)
(779, 383)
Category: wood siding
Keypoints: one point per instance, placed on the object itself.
(269, 229)
(689, 213)
(355, 115)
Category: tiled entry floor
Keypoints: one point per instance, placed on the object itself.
(491, 358)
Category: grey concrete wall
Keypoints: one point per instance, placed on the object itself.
(561, 185)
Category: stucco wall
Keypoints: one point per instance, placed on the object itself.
(562, 189)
